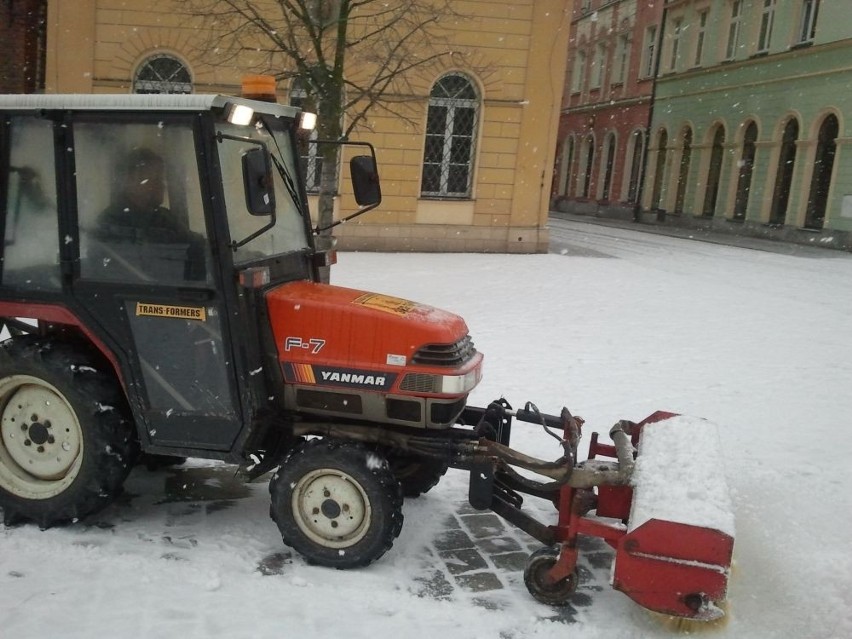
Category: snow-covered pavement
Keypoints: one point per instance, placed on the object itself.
(614, 324)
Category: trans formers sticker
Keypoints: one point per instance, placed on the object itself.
(386, 303)
(345, 377)
(175, 312)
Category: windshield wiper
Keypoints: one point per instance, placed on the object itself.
(288, 180)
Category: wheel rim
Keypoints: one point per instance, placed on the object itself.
(40, 438)
(331, 508)
(535, 576)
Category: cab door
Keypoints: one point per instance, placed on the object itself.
(146, 277)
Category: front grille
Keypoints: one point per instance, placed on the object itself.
(418, 383)
(446, 354)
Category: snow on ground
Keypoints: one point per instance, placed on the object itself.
(616, 325)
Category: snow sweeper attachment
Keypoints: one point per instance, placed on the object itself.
(657, 495)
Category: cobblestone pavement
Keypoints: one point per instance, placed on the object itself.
(475, 555)
(480, 554)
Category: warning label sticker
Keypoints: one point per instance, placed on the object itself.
(198, 313)
(386, 303)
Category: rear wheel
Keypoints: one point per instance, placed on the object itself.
(337, 504)
(538, 583)
(66, 442)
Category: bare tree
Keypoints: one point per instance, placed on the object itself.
(351, 56)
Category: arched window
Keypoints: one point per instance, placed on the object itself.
(311, 161)
(450, 138)
(683, 173)
(746, 170)
(657, 193)
(608, 164)
(714, 172)
(565, 164)
(784, 173)
(636, 160)
(162, 73)
(823, 167)
(588, 164)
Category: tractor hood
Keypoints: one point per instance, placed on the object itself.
(346, 329)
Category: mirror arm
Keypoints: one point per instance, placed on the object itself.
(346, 142)
(319, 230)
(235, 245)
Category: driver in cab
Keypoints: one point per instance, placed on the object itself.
(136, 215)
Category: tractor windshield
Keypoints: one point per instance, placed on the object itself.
(287, 230)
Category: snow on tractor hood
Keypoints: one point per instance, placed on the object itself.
(338, 326)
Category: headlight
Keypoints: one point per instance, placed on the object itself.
(239, 114)
(457, 384)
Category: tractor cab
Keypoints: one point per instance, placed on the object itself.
(150, 224)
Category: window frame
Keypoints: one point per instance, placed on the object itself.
(674, 51)
(807, 22)
(701, 37)
(598, 69)
(452, 104)
(649, 51)
(621, 59)
(148, 63)
(577, 76)
(735, 24)
(767, 22)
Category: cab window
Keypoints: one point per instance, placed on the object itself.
(139, 203)
(31, 234)
(288, 234)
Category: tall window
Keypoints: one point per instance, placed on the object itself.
(660, 169)
(609, 162)
(638, 151)
(700, 37)
(31, 260)
(823, 168)
(565, 165)
(162, 73)
(589, 153)
(598, 67)
(579, 72)
(746, 170)
(714, 174)
(622, 49)
(311, 160)
(649, 58)
(734, 29)
(677, 32)
(767, 19)
(784, 173)
(450, 137)
(683, 172)
(807, 28)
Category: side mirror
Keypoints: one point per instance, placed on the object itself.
(257, 179)
(365, 180)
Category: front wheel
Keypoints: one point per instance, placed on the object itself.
(337, 504)
(538, 583)
(66, 440)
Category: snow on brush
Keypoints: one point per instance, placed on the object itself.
(679, 476)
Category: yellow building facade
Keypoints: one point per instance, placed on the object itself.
(511, 53)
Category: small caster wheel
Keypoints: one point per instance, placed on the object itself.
(538, 583)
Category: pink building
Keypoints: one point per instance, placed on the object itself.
(606, 106)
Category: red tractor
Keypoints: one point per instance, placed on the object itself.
(160, 288)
